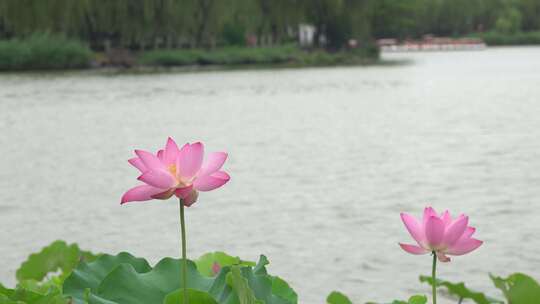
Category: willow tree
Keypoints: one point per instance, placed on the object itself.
(322, 13)
(3, 30)
(204, 20)
(120, 23)
(277, 18)
(140, 23)
(24, 17)
(172, 22)
(530, 10)
(355, 14)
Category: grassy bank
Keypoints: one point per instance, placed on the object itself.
(235, 56)
(519, 38)
(43, 51)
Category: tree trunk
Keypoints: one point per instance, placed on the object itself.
(204, 10)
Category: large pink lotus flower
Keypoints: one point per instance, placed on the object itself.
(173, 171)
(440, 234)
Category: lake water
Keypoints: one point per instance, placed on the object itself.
(322, 161)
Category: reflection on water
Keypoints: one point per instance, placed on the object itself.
(322, 161)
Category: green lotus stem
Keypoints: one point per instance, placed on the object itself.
(433, 276)
(184, 259)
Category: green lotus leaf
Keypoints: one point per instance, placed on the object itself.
(39, 287)
(260, 268)
(336, 297)
(461, 291)
(124, 285)
(194, 297)
(282, 289)
(417, 299)
(5, 294)
(5, 300)
(124, 279)
(244, 293)
(5, 291)
(518, 288)
(57, 256)
(206, 262)
(21, 295)
(90, 275)
(261, 283)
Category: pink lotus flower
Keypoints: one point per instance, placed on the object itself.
(173, 171)
(440, 234)
(216, 268)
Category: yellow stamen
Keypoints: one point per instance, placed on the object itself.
(172, 169)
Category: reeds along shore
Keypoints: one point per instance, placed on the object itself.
(50, 52)
(41, 51)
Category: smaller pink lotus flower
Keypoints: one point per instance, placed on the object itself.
(440, 234)
(173, 171)
(216, 268)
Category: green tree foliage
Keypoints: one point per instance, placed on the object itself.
(414, 18)
(325, 15)
(530, 11)
(165, 24)
(509, 22)
(275, 18)
(392, 18)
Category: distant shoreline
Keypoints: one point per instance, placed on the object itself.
(494, 38)
(473, 41)
(56, 53)
(173, 61)
(117, 70)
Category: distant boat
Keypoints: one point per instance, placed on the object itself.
(430, 43)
